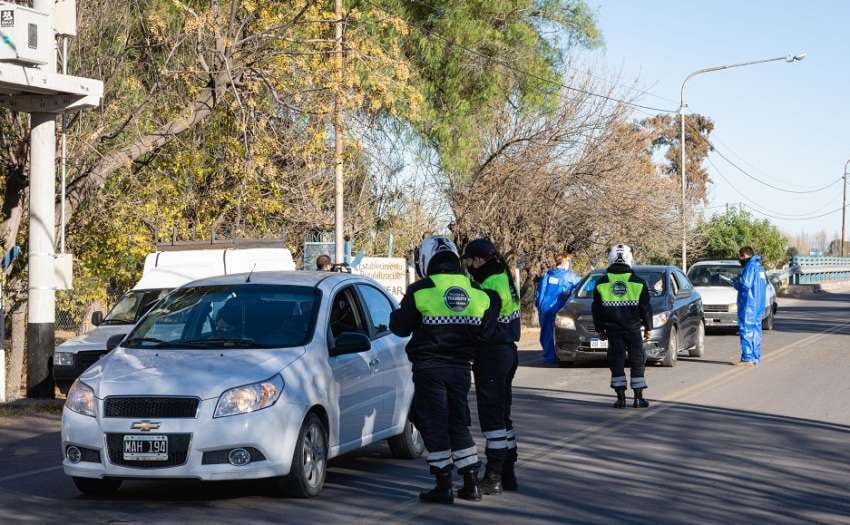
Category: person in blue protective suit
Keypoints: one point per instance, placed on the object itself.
(752, 288)
(552, 294)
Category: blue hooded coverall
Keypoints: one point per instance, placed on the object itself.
(752, 288)
(552, 293)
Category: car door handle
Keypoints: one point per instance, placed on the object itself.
(374, 363)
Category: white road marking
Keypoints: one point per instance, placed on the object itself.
(30, 473)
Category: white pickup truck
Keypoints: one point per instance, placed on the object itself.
(163, 272)
(713, 280)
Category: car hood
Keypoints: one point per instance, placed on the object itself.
(202, 373)
(717, 294)
(95, 339)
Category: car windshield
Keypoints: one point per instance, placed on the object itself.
(133, 305)
(230, 316)
(714, 274)
(655, 280)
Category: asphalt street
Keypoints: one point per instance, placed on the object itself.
(719, 444)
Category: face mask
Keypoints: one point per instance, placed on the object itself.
(744, 261)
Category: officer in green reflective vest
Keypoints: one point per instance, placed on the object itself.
(447, 316)
(620, 309)
(495, 366)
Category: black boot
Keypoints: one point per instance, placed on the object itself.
(491, 483)
(621, 398)
(509, 477)
(471, 490)
(442, 493)
(640, 402)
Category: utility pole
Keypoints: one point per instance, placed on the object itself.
(338, 137)
(41, 300)
(844, 207)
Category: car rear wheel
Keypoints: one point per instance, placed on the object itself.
(699, 349)
(309, 461)
(767, 322)
(97, 487)
(407, 445)
(672, 354)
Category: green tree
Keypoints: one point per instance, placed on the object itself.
(724, 234)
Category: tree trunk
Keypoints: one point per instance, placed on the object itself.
(17, 348)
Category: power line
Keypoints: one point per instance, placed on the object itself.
(770, 213)
(510, 66)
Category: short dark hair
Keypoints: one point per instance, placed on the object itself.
(322, 261)
(746, 251)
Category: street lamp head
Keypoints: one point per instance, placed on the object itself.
(795, 58)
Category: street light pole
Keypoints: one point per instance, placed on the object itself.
(844, 206)
(338, 141)
(787, 58)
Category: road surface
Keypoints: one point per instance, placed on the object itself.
(720, 444)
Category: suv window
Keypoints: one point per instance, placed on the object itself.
(345, 314)
(683, 282)
(378, 306)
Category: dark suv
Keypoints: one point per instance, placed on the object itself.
(677, 319)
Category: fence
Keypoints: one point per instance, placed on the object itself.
(814, 270)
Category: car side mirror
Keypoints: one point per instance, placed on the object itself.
(114, 341)
(351, 343)
(96, 318)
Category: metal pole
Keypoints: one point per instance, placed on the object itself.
(338, 145)
(41, 259)
(684, 188)
(64, 154)
(788, 58)
(844, 207)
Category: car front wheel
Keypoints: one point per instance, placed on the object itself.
(699, 348)
(97, 487)
(309, 461)
(407, 445)
(767, 322)
(672, 354)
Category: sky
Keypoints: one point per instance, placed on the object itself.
(788, 124)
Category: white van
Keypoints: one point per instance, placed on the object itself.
(163, 272)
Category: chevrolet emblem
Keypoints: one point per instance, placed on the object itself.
(145, 426)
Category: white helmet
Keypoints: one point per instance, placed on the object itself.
(429, 248)
(622, 254)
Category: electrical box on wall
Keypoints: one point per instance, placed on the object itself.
(26, 37)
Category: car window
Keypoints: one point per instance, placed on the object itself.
(653, 279)
(682, 281)
(714, 274)
(345, 314)
(674, 286)
(229, 316)
(133, 305)
(378, 307)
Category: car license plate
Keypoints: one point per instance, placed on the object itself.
(598, 343)
(145, 448)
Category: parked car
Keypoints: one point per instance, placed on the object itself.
(263, 375)
(677, 320)
(163, 271)
(713, 280)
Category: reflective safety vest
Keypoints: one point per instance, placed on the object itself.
(501, 284)
(619, 291)
(451, 301)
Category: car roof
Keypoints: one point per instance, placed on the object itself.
(643, 267)
(292, 278)
(717, 262)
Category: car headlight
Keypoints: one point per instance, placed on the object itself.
(63, 358)
(733, 308)
(81, 399)
(249, 398)
(659, 320)
(565, 322)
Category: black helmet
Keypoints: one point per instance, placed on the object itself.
(479, 248)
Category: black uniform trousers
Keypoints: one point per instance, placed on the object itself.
(495, 368)
(441, 413)
(618, 344)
